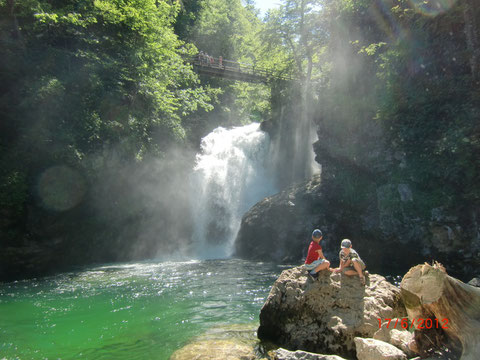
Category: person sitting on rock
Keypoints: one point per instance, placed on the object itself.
(315, 260)
(350, 261)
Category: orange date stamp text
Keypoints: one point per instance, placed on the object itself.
(405, 323)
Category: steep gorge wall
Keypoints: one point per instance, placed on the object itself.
(394, 223)
(387, 235)
(398, 143)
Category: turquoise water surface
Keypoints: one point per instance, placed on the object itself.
(141, 310)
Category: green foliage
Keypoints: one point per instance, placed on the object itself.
(117, 63)
(224, 28)
(301, 28)
(13, 192)
(229, 29)
(410, 78)
(372, 48)
(90, 85)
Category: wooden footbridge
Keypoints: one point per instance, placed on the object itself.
(210, 66)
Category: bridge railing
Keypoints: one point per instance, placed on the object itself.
(219, 63)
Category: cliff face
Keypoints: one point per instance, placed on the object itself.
(279, 228)
(380, 217)
(408, 219)
(400, 201)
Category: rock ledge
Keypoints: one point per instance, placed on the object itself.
(325, 315)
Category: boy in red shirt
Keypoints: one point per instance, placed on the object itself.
(315, 260)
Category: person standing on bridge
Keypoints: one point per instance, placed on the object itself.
(220, 61)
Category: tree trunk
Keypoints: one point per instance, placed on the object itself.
(429, 293)
(472, 37)
(16, 27)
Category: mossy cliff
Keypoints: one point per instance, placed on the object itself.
(396, 112)
(380, 221)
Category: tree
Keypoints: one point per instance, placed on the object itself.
(470, 14)
(301, 26)
(228, 29)
(443, 310)
(97, 88)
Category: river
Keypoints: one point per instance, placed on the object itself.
(141, 310)
(150, 309)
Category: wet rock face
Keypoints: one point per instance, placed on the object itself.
(325, 315)
(278, 228)
(388, 238)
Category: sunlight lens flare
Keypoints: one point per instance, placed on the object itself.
(387, 22)
(61, 188)
(432, 7)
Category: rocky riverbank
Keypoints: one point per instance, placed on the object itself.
(334, 317)
(326, 315)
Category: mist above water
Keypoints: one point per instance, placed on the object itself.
(292, 151)
(230, 176)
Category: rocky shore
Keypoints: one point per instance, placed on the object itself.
(326, 315)
(334, 317)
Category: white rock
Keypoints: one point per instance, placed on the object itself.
(396, 336)
(282, 354)
(401, 339)
(372, 349)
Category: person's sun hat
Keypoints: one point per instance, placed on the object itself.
(346, 243)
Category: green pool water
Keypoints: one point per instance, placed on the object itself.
(128, 311)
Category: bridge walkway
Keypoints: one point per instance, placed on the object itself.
(208, 65)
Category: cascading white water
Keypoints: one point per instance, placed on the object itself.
(230, 176)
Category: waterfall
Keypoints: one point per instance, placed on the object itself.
(229, 177)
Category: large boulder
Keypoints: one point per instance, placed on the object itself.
(443, 310)
(278, 227)
(475, 282)
(325, 315)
